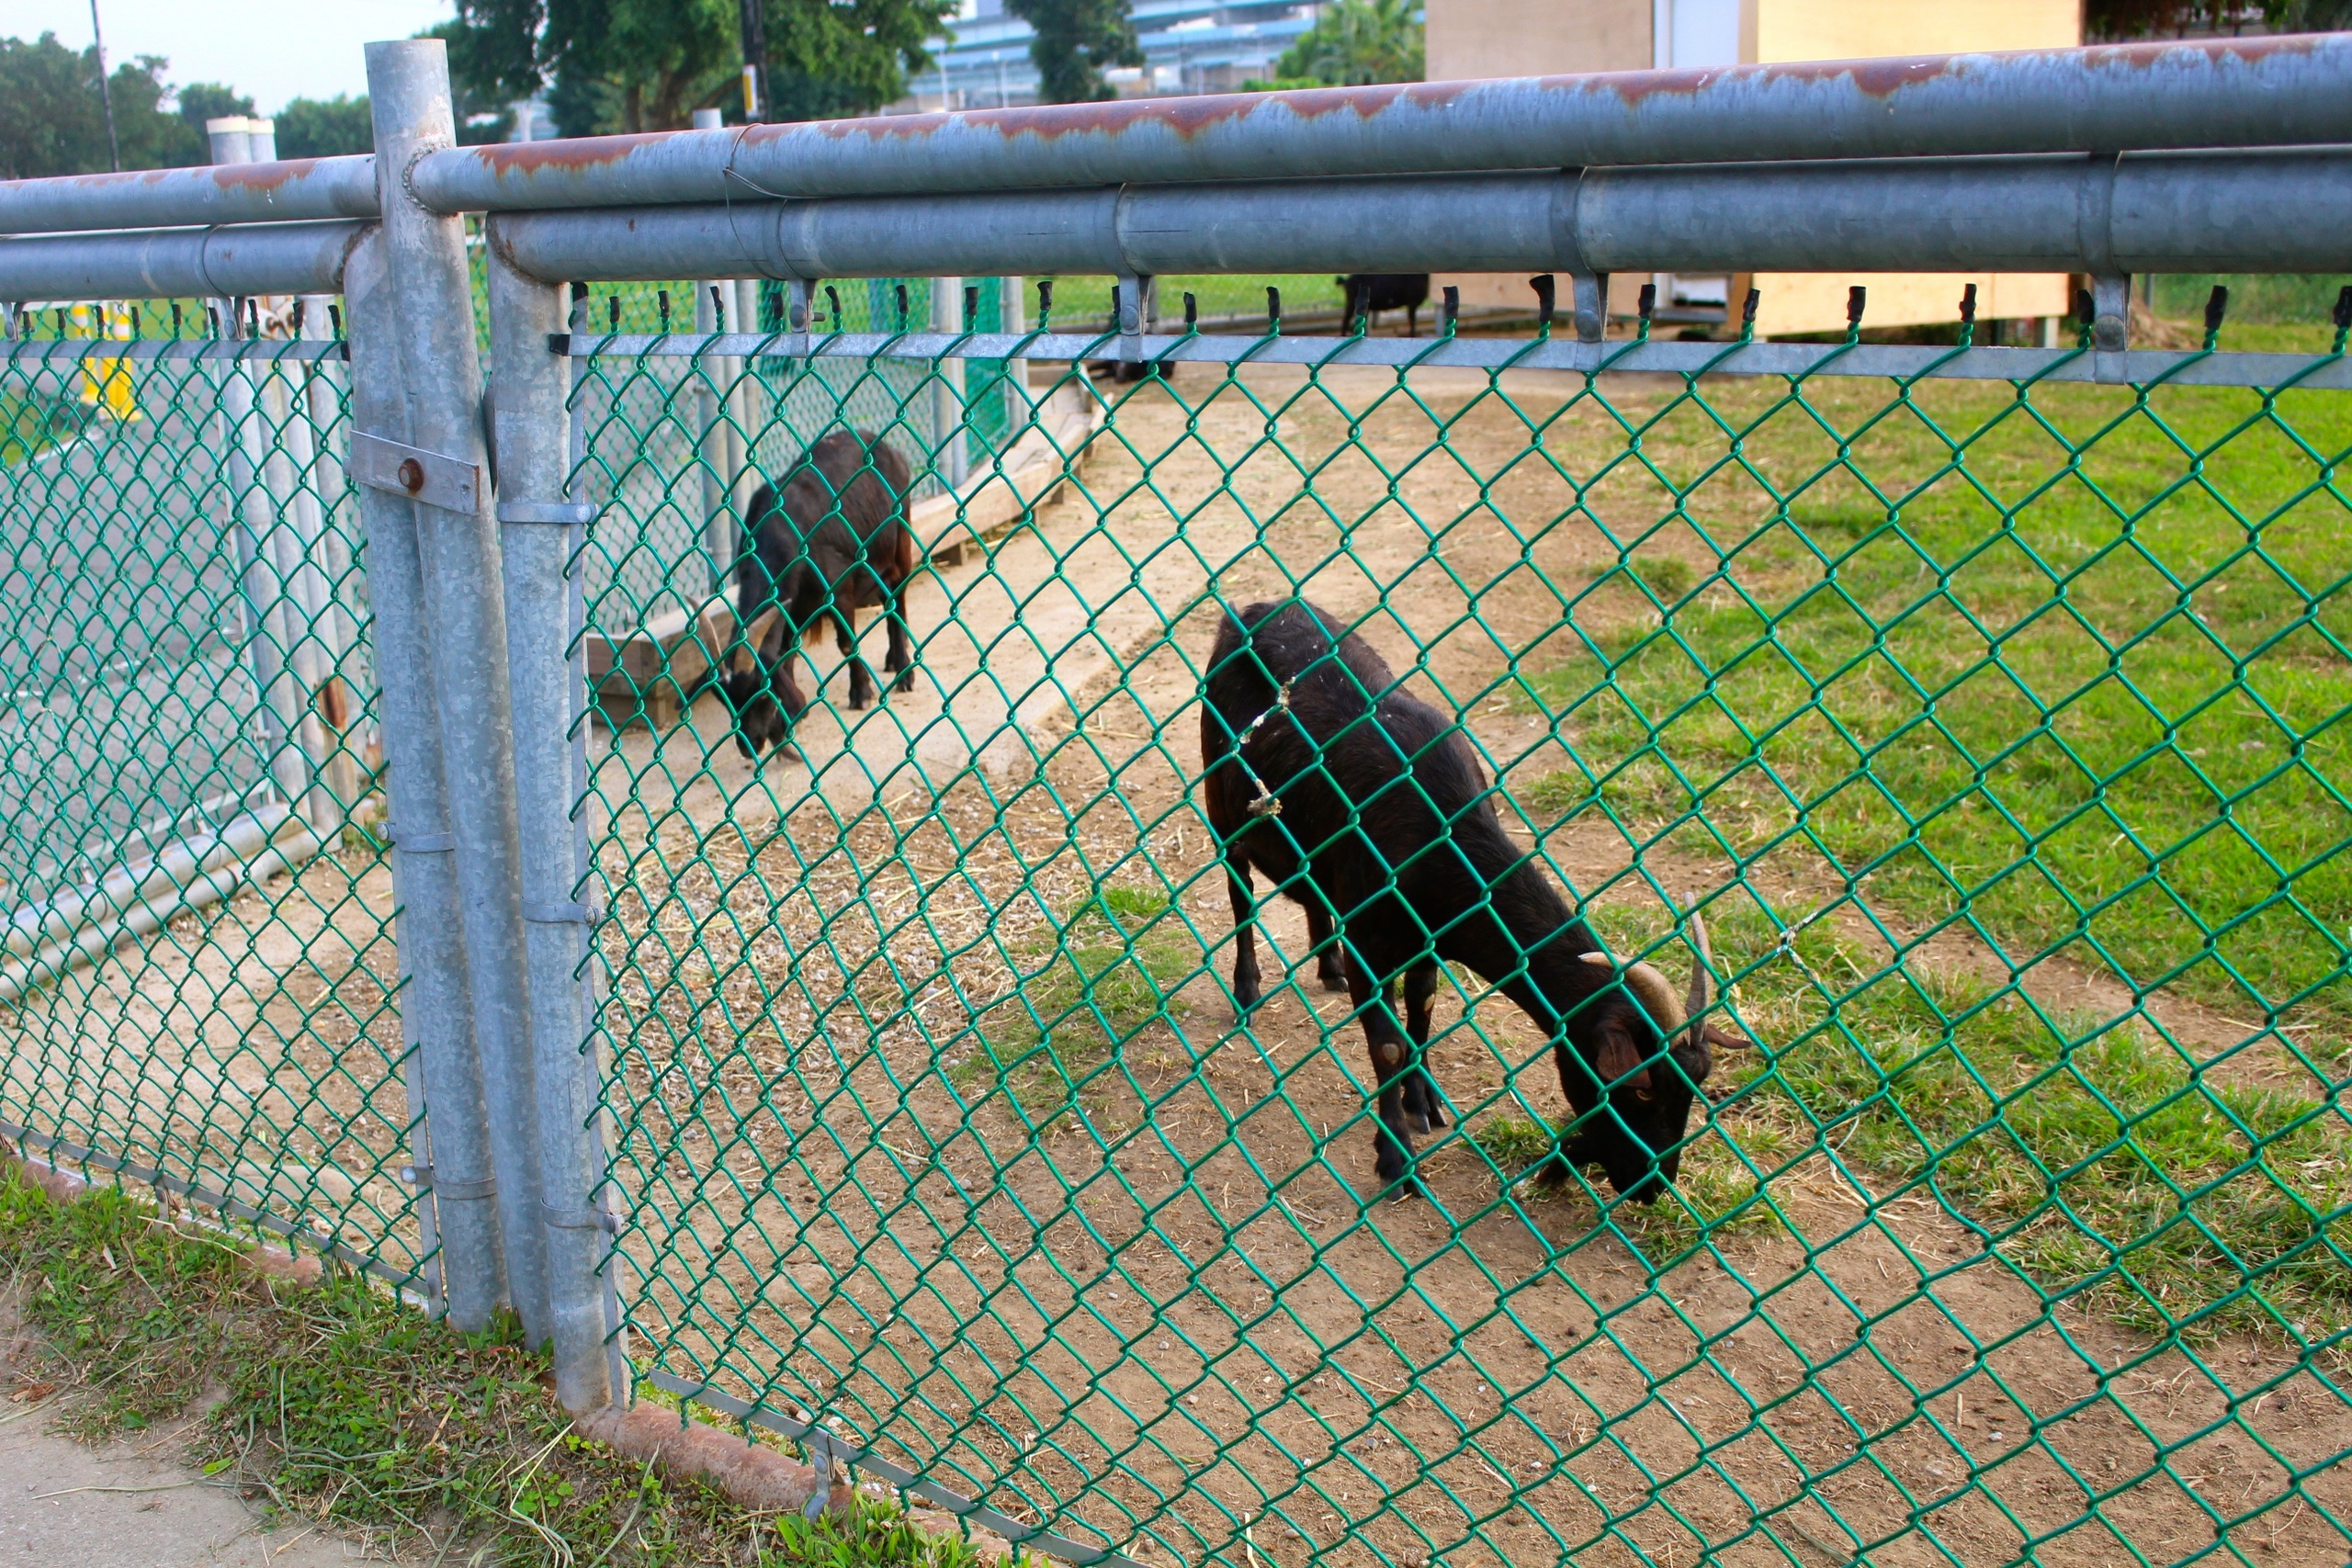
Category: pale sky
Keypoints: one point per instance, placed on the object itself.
(273, 50)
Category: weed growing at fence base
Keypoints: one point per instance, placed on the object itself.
(348, 1408)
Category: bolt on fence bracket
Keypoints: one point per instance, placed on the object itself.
(450, 483)
(1590, 291)
(1131, 294)
(2110, 325)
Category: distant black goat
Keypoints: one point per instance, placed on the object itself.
(1369, 293)
(1366, 806)
(833, 542)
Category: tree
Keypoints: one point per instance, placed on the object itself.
(325, 128)
(1358, 43)
(1075, 41)
(201, 101)
(619, 65)
(52, 122)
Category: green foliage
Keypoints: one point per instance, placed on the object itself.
(343, 1405)
(828, 60)
(630, 65)
(52, 121)
(1357, 43)
(1076, 41)
(201, 101)
(324, 128)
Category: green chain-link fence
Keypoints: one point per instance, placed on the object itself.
(1996, 728)
(198, 987)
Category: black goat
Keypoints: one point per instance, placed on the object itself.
(833, 541)
(1369, 293)
(1366, 806)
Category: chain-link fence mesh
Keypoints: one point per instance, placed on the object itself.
(198, 990)
(1995, 727)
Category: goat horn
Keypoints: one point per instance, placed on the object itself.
(1656, 997)
(1700, 965)
(1597, 960)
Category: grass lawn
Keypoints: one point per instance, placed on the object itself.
(347, 1409)
(2066, 668)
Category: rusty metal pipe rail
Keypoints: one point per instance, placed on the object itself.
(2290, 91)
(2287, 211)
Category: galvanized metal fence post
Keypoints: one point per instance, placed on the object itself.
(454, 1174)
(444, 466)
(719, 446)
(540, 532)
(1012, 319)
(269, 637)
(947, 421)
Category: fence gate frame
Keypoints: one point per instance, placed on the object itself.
(476, 524)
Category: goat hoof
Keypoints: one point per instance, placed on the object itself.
(905, 682)
(1417, 1124)
(1333, 981)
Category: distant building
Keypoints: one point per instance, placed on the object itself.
(1190, 46)
(1470, 39)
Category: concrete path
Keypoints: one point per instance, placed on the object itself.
(114, 1507)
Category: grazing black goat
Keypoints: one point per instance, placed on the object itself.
(1369, 293)
(833, 541)
(1366, 806)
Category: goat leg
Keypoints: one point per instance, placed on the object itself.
(1330, 971)
(1391, 1054)
(861, 689)
(1246, 992)
(1422, 1111)
(897, 660)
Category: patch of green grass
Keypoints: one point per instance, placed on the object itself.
(2071, 669)
(1104, 974)
(346, 1408)
(1713, 1193)
(2096, 1159)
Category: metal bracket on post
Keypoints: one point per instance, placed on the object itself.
(452, 484)
(799, 296)
(1133, 289)
(1591, 294)
(2110, 326)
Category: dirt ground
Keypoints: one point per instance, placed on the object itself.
(1119, 1276)
(1114, 1271)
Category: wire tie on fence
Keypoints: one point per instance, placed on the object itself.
(563, 1218)
(1266, 802)
(418, 843)
(421, 1178)
(570, 913)
(563, 513)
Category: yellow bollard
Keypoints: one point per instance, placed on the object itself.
(107, 382)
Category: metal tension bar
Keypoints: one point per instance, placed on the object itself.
(450, 483)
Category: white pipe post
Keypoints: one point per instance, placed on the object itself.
(458, 548)
(269, 637)
(345, 705)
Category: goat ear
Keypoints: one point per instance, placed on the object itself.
(1617, 1056)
